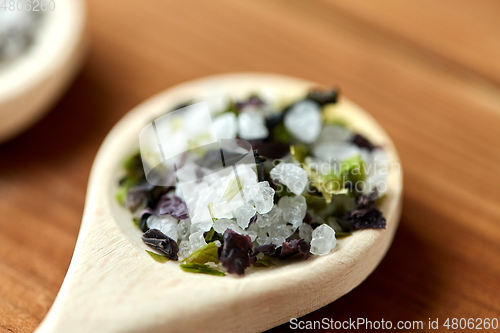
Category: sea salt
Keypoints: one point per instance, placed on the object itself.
(251, 234)
(336, 152)
(294, 209)
(273, 216)
(261, 195)
(303, 121)
(184, 249)
(291, 175)
(278, 241)
(166, 224)
(305, 232)
(196, 241)
(222, 225)
(377, 168)
(334, 134)
(284, 231)
(262, 236)
(323, 240)
(184, 229)
(243, 215)
(252, 125)
(225, 126)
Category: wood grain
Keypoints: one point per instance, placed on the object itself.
(427, 71)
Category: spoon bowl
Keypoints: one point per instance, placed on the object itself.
(113, 285)
(32, 83)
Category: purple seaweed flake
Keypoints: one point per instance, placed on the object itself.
(172, 205)
(366, 215)
(234, 252)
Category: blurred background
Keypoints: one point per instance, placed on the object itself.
(428, 71)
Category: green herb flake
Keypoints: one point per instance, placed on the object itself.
(281, 134)
(157, 257)
(121, 194)
(331, 116)
(231, 107)
(353, 168)
(210, 206)
(264, 262)
(283, 191)
(328, 185)
(233, 188)
(131, 163)
(315, 202)
(195, 144)
(210, 235)
(338, 122)
(203, 269)
(298, 152)
(133, 168)
(341, 234)
(208, 253)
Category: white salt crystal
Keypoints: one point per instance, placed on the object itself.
(251, 234)
(196, 240)
(261, 195)
(380, 156)
(284, 231)
(303, 121)
(201, 214)
(278, 241)
(263, 240)
(201, 226)
(262, 236)
(271, 217)
(184, 229)
(184, 249)
(222, 210)
(291, 175)
(305, 232)
(366, 156)
(222, 225)
(336, 152)
(243, 215)
(377, 168)
(246, 174)
(378, 182)
(294, 209)
(166, 224)
(334, 134)
(323, 240)
(225, 126)
(252, 125)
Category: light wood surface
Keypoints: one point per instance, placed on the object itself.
(427, 71)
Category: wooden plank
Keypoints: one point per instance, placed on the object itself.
(464, 33)
(427, 70)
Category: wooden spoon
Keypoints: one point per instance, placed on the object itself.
(113, 285)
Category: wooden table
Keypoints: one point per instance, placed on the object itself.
(428, 70)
